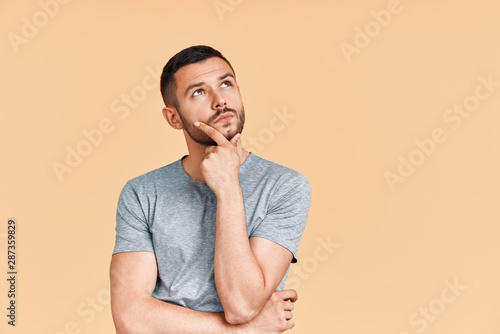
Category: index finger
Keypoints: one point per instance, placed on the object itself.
(212, 133)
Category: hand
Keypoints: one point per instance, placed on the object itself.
(276, 315)
(221, 166)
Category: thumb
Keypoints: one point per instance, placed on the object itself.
(238, 145)
(235, 140)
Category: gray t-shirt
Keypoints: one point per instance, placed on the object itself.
(166, 212)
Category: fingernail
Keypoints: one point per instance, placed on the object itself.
(196, 123)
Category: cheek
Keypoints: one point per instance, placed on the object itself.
(235, 98)
(196, 112)
(198, 105)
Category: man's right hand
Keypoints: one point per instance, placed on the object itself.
(276, 315)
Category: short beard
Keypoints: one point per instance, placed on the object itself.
(202, 138)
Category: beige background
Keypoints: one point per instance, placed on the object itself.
(373, 256)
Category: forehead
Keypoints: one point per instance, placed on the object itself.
(209, 69)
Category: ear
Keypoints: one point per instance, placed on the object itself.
(172, 117)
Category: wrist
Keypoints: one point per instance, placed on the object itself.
(239, 329)
(228, 191)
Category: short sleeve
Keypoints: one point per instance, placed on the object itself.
(132, 230)
(287, 213)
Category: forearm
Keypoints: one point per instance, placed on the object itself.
(238, 276)
(149, 315)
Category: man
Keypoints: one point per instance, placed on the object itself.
(203, 245)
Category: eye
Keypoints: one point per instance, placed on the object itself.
(198, 92)
(226, 83)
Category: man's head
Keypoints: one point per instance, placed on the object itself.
(198, 83)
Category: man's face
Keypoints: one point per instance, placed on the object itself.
(205, 91)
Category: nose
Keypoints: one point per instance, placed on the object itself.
(219, 101)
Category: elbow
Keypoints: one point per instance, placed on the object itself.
(127, 322)
(233, 318)
(241, 306)
(128, 325)
(122, 329)
(240, 314)
(123, 324)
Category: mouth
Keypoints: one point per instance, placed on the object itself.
(225, 117)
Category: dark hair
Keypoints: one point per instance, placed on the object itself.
(191, 55)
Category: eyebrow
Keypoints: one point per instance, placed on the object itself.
(199, 84)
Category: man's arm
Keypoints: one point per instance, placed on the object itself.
(246, 271)
(133, 278)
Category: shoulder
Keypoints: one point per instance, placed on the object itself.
(154, 178)
(283, 177)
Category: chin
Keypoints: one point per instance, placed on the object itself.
(225, 129)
